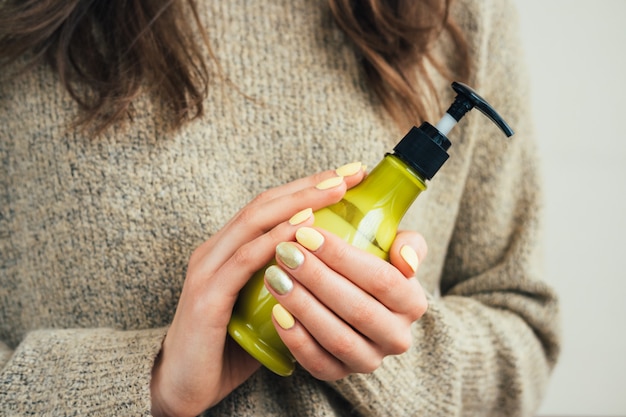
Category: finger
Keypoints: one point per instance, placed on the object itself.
(255, 220)
(359, 309)
(277, 205)
(407, 252)
(373, 275)
(229, 277)
(353, 173)
(305, 349)
(333, 334)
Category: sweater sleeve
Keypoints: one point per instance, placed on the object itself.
(79, 372)
(487, 345)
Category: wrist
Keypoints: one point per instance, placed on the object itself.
(157, 409)
(163, 398)
(157, 398)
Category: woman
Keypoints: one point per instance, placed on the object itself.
(130, 135)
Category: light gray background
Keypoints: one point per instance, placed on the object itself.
(576, 52)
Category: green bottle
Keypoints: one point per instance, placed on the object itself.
(367, 217)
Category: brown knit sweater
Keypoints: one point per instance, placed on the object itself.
(95, 234)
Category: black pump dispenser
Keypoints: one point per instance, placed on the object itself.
(425, 148)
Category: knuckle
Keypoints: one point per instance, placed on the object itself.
(420, 311)
(297, 345)
(341, 253)
(277, 234)
(325, 372)
(343, 346)
(195, 256)
(371, 365)
(417, 307)
(315, 277)
(400, 344)
(243, 254)
(362, 313)
(384, 281)
(302, 306)
(319, 369)
(246, 217)
(262, 197)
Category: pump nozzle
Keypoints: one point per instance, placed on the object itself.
(465, 101)
(425, 148)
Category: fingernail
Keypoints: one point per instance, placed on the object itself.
(278, 280)
(300, 216)
(309, 238)
(348, 169)
(289, 254)
(329, 183)
(283, 317)
(410, 257)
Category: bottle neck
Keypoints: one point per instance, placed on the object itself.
(392, 186)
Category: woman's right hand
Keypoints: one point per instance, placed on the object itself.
(199, 364)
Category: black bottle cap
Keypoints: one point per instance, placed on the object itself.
(424, 149)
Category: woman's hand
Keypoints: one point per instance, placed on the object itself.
(198, 364)
(342, 310)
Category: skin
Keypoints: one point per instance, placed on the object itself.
(351, 308)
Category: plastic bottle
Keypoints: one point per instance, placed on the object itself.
(367, 217)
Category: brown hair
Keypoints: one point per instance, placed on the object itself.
(106, 53)
(395, 39)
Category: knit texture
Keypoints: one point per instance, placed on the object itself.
(95, 233)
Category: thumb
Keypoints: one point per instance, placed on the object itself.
(407, 252)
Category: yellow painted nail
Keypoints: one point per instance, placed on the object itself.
(348, 169)
(410, 257)
(283, 317)
(329, 183)
(309, 238)
(300, 216)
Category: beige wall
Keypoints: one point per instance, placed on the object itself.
(576, 51)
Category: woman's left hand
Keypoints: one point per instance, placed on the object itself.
(342, 310)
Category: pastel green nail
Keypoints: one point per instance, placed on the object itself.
(278, 280)
(289, 254)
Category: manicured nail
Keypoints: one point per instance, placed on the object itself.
(309, 238)
(329, 183)
(410, 257)
(300, 216)
(289, 254)
(348, 169)
(283, 317)
(278, 280)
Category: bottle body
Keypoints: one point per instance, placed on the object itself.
(367, 217)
